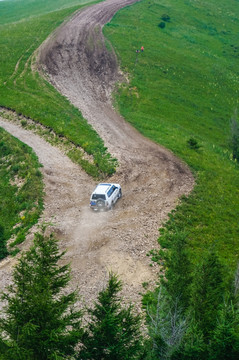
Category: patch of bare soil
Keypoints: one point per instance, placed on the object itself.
(152, 178)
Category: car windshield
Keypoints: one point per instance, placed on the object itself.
(98, 196)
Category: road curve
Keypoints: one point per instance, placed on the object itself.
(152, 178)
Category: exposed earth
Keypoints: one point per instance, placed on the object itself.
(152, 178)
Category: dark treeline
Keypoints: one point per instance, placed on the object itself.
(192, 315)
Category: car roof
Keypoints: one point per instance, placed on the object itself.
(103, 188)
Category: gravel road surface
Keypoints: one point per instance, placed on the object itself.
(152, 178)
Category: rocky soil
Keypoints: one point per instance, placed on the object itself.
(152, 178)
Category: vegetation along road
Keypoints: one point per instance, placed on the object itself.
(152, 178)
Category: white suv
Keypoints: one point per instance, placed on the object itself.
(105, 196)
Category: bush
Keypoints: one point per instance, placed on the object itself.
(1, 232)
(165, 17)
(234, 138)
(3, 249)
(162, 25)
(193, 144)
(23, 123)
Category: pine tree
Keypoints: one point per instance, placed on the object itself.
(193, 346)
(113, 331)
(208, 291)
(177, 269)
(39, 321)
(212, 333)
(224, 342)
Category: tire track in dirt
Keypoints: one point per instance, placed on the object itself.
(66, 187)
(152, 178)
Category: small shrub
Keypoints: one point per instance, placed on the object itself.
(165, 17)
(105, 163)
(24, 123)
(162, 25)
(234, 137)
(3, 248)
(1, 232)
(38, 173)
(193, 144)
(4, 149)
(15, 168)
(20, 238)
(14, 252)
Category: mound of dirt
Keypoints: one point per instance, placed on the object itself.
(152, 178)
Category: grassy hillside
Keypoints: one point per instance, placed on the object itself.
(25, 24)
(15, 10)
(21, 191)
(182, 89)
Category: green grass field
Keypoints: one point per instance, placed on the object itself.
(24, 26)
(21, 191)
(185, 85)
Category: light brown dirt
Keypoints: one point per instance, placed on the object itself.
(152, 178)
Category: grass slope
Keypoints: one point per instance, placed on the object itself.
(185, 85)
(15, 10)
(22, 89)
(21, 191)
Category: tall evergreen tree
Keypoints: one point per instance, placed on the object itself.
(177, 266)
(113, 331)
(208, 291)
(224, 342)
(40, 322)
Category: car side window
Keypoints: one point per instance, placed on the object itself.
(110, 191)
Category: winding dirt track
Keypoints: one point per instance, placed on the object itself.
(152, 178)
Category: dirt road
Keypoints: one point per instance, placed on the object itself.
(151, 177)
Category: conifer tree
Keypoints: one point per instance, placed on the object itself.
(208, 291)
(39, 321)
(224, 342)
(177, 268)
(113, 331)
(221, 341)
